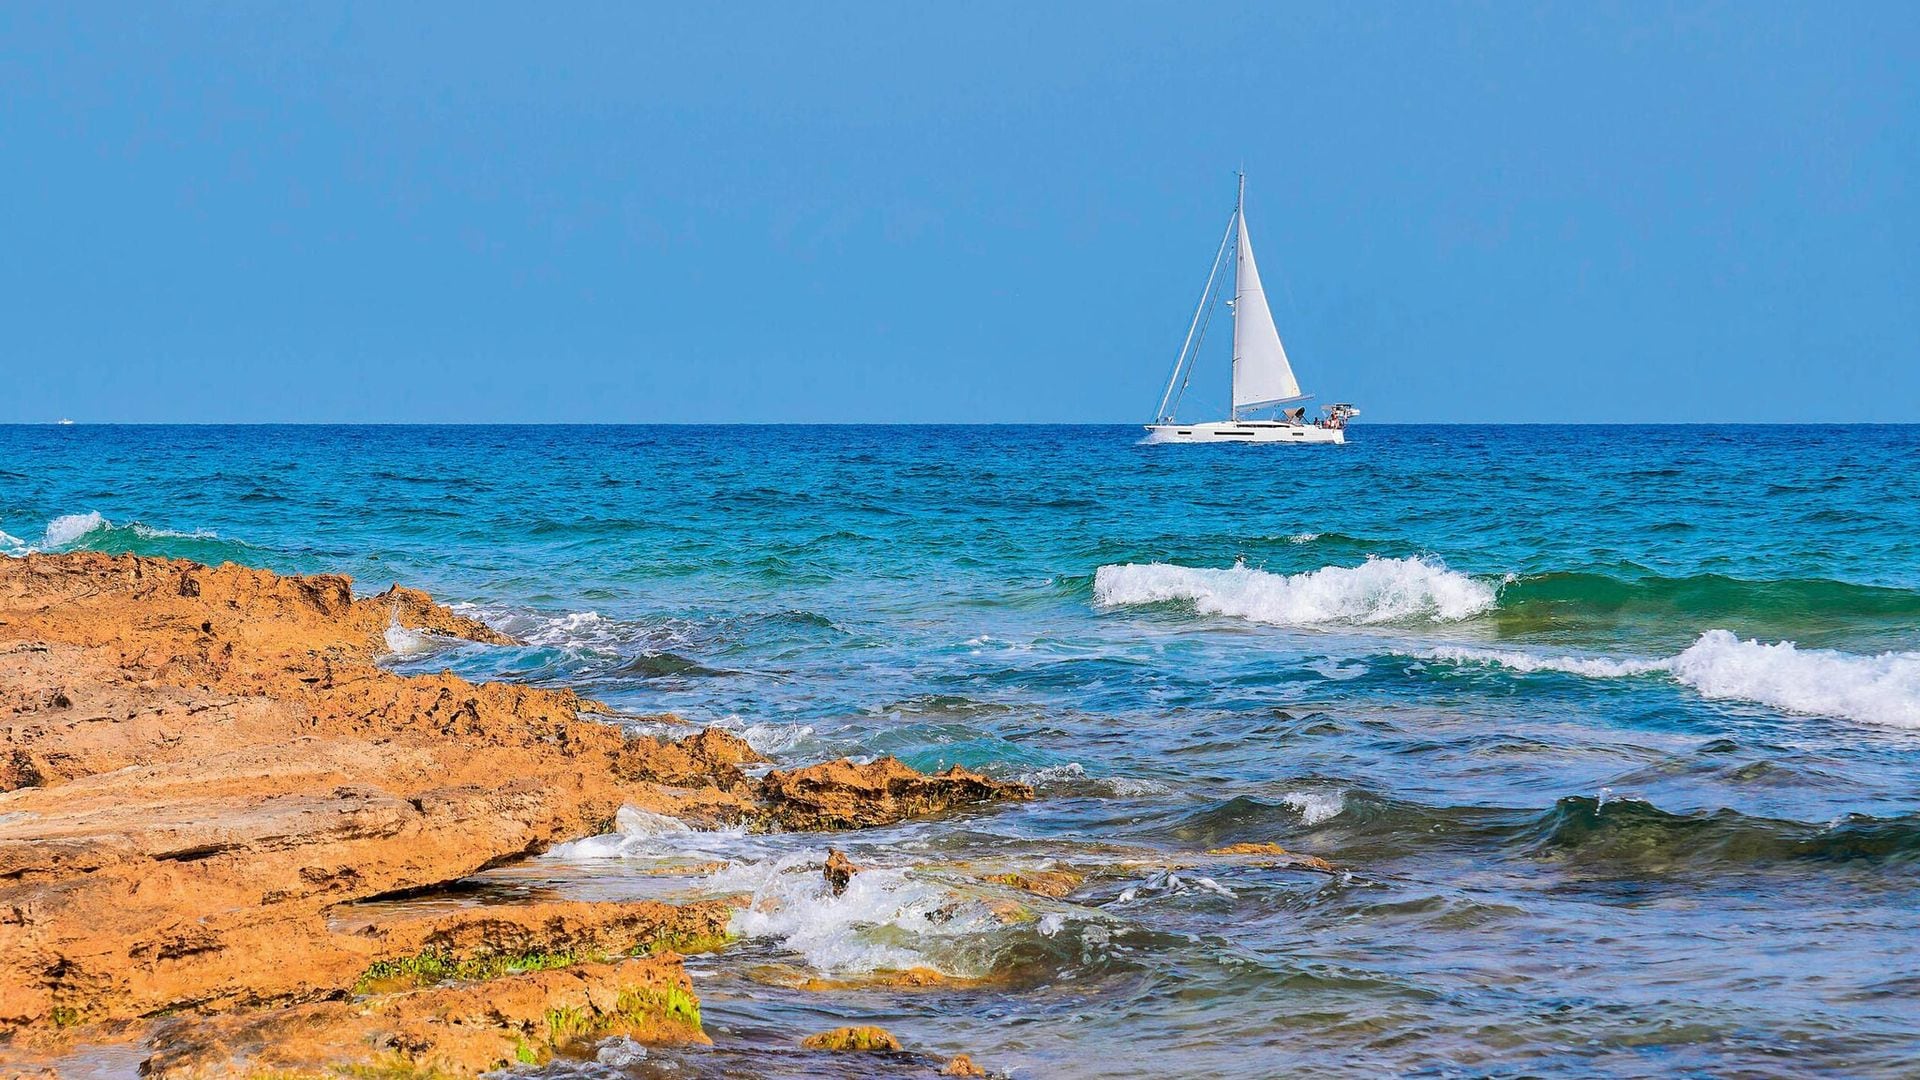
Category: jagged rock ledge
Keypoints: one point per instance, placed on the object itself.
(199, 766)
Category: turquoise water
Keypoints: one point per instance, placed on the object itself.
(1527, 684)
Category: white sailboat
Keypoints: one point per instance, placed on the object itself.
(1262, 377)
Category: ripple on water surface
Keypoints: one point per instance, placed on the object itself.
(1610, 740)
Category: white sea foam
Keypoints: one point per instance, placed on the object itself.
(404, 642)
(1075, 774)
(68, 528)
(887, 919)
(1879, 689)
(1071, 772)
(1175, 883)
(1338, 671)
(1593, 667)
(1376, 591)
(572, 629)
(767, 739)
(620, 1052)
(642, 834)
(1315, 807)
(1882, 689)
(1303, 538)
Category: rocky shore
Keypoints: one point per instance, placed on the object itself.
(203, 770)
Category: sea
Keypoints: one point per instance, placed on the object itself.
(1612, 733)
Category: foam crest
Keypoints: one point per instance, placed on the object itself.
(68, 528)
(1592, 667)
(1377, 591)
(70, 531)
(1882, 689)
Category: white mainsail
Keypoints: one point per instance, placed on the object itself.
(1261, 374)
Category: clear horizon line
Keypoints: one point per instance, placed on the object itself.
(923, 423)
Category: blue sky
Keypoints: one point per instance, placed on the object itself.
(979, 212)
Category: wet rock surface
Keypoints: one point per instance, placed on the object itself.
(845, 795)
(853, 1040)
(203, 769)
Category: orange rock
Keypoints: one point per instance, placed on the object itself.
(201, 765)
(1275, 851)
(1054, 883)
(962, 1065)
(854, 1039)
(455, 1031)
(844, 795)
(839, 871)
(914, 978)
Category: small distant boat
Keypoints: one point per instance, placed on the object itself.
(1262, 377)
(63, 422)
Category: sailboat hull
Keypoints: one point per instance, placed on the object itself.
(1245, 431)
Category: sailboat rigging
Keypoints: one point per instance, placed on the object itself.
(1262, 375)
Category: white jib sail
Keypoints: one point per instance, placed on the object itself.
(1261, 374)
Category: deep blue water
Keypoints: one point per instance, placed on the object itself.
(1526, 684)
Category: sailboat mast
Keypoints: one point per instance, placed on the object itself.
(1239, 230)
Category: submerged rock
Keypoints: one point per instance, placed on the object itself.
(845, 795)
(1277, 855)
(853, 1039)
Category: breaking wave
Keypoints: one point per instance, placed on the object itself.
(1880, 689)
(1635, 832)
(68, 528)
(1377, 591)
(92, 531)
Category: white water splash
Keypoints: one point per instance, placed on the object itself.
(1315, 807)
(68, 528)
(767, 739)
(402, 641)
(636, 833)
(1880, 689)
(1376, 591)
(886, 920)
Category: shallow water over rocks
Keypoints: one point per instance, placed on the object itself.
(1523, 687)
